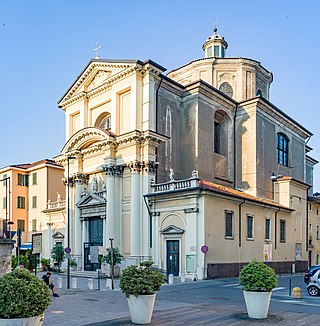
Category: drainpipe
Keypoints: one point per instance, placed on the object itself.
(150, 220)
(275, 226)
(234, 149)
(240, 222)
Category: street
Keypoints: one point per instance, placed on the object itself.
(208, 302)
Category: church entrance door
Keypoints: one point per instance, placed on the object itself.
(173, 257)
(95, 239)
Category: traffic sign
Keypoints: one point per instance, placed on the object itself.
(67, 250)
(204, 249)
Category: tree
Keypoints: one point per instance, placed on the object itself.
(116, 256)
(58, 255)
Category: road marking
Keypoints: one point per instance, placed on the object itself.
(226, 285)
(279, 288)
(302, 303)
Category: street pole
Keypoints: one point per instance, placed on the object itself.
(68, 220)
(112, 264)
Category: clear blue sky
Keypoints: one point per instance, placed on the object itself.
(46, 44)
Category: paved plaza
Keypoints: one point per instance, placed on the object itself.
(212, 302)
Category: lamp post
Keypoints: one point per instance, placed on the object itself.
(68, 220)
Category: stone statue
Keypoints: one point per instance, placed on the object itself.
(94, 184)
(171, 175)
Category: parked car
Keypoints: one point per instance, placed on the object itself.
(310, 272)
(313, 287)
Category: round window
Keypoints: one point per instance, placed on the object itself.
(226, 88)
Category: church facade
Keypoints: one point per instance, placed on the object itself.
(195, 169)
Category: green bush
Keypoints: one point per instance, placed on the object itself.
(140, 280)
(22, 295)
(257, 277)
(14, 262)
(73, 262)
(45, 263)
(58, 255)
(116, 255)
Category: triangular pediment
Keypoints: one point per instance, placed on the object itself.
(58, 235)
(91, 200)
(96, 74)
(171, 229)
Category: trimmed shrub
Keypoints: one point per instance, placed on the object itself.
(22, 295)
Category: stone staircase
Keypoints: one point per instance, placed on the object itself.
(86, 274)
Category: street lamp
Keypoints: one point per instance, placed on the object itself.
(68, 221)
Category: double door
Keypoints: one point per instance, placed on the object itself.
(95, 239)
(173, 257)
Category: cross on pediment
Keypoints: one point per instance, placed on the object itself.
(96, 49)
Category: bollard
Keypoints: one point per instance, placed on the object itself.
(297, 293)
(200, 273)
(73, 283)
(109, 284)
(182, 277)
(90, 283)
(170, 279)
(59, 285)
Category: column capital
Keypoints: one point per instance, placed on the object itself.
(135, 166)
(76, 178)
(150, 166)
(113, 170)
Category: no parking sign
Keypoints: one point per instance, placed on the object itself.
(204, 249)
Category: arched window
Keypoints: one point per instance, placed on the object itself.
(282, 149)
(259, 92)
(220, 133)
(226, 88)
(104, 121)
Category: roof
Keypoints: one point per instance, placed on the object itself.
(288, 178)
(239, 194)
(223, 190)
(26, 166)
(226, 58)
(114, 61)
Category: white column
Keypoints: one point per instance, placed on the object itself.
(77, 250)
(135, 210)
(110, 206)
(84, 237)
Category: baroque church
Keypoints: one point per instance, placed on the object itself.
(195, 169)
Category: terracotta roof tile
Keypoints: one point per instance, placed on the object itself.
(237, 193)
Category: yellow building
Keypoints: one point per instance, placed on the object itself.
(130, 128)
(25, 191)
(314, 229)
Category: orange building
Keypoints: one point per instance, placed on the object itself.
(25, 190)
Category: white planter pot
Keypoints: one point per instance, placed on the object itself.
(141, 308)
(257, 303)
(32, 321)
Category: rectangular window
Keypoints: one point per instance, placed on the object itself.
(216, 51)
(209, 51)
(4, 182)
(217, 131)
(282, 231)
(23, 179)
(4, 202)
(21, 202)
(34, 178)
(34, 202)
(317, 210)
(267, 229)
(310, 227)
(318, 232)
(21, 225)
(310, 207)
(282, 149)
(229, 224)
(222, 52)
(34, 225)
(249, 227)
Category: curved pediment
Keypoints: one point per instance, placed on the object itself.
(85, 137)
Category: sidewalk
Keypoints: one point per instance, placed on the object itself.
(99, 308)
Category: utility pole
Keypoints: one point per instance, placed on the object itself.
(112, 263)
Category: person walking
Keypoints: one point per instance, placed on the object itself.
(49, 282)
